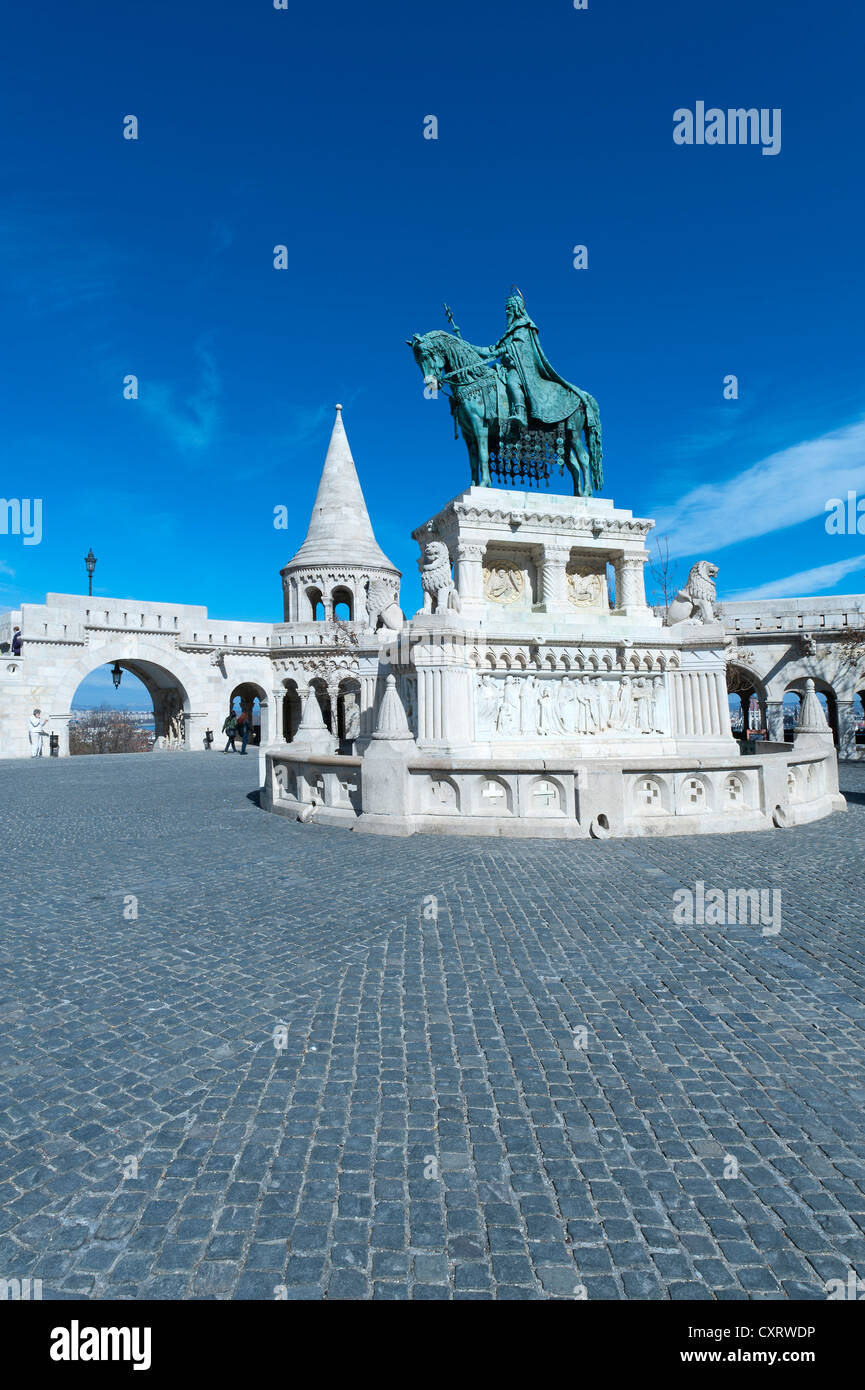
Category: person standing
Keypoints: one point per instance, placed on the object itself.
(36, 732)
(16, 641)
(244, 725)
(230, 728)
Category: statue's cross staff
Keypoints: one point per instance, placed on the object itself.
(450, 319)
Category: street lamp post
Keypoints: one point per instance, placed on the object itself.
(90, 562)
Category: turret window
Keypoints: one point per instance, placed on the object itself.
(342, 600)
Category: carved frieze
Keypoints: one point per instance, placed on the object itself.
(532, 705)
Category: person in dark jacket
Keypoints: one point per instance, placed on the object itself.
(16, 641)
(244, 726)
(230, 728)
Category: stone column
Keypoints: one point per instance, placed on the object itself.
(846, 729)
(271, 732)
(333, 696)
(552, 566)
(359, 612)
(775, 720)
(469, 576)
(630, 583)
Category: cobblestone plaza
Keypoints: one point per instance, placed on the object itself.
(436, 1125)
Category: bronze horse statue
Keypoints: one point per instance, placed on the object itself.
(477, 390)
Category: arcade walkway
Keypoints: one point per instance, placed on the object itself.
(430, 1129)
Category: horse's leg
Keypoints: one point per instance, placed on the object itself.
(473, 455)
(467, 430)
(482, 445)
(484, 451)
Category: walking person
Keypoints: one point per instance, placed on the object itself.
(37, 730)
(230, 728)
(244, 726)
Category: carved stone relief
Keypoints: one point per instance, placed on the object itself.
(527, 705)
(504, 581)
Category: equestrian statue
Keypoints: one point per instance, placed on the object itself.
(518, 417)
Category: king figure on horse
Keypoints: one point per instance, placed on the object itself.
(517, 416)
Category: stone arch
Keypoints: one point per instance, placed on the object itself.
(745, 686)
(166, 677)
(292, 710)
(342, 596)
(488, 801)
(650, 794)
(248, 694)
(694, 794)
(540, 800)
(315, 599)
(734, 792)
(348, 710)
(796, 686)
(441, 795)
(319, 685)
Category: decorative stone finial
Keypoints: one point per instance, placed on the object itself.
(392, 723)
(812, 720)
(312, 719)
(337, 407)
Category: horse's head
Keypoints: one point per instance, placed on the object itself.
(428, 354)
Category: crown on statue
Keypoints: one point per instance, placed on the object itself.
(514, 297)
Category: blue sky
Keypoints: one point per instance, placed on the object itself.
(305, 127)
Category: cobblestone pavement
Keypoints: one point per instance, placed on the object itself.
(430, 1130)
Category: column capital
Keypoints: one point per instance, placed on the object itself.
(469, 550)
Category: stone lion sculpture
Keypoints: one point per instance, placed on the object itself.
(382, 605)
(439, 590)
(697, 599)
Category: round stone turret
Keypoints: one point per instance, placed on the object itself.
(340, 556)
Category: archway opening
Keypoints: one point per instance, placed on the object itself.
(343, 604)
(348, 714)
(747, 702)
(826, 696)
(792, 705)
(316, 605)
(245, 703)
(128, 706)
(323, 697)
(292, 711)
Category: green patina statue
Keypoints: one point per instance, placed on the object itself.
(518, 417)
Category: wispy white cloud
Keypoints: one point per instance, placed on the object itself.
(6, 569)
(813, 581)
(190, 421)
(781, 490)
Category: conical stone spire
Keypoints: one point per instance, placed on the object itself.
(812, 720)
(392, 723)
(340, 531)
